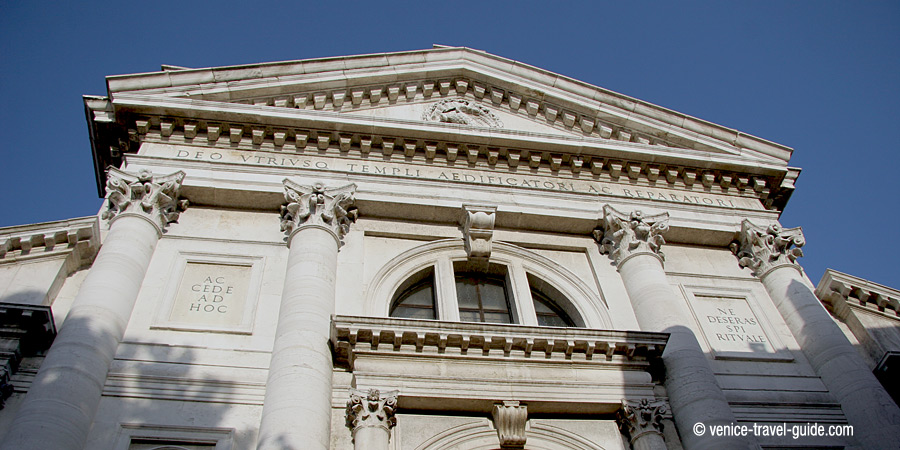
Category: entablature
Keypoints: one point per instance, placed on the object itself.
(453, 146)
(855, 291)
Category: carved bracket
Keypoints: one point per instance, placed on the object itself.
(509, 419)
(144, 194)
(638, 418)
(763, 249)
(316, 205)
(478, 232)
(371, 409)
(624, 235)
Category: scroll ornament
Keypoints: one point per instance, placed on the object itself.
(623, 235)
(330, 208)
(765, 248)
(371, 409)
(154, 197)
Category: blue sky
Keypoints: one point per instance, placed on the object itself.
(822, 77)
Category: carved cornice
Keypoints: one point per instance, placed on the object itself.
(81, 236)
(624, 235)
(857, 292)
(637, 418)
(371, 409)
(509, 419)
(478, 232)
(145, 195)
(351, 335)
(763, 249)
(317, 206)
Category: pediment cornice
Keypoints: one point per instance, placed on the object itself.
(355, 83)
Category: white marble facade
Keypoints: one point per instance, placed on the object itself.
(438, 249)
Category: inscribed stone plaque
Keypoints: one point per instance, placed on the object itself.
(211, 294)
(731, 326)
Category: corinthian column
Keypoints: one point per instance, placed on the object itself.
(641, 422)
(370, 417)
(771, 253)
(297, 408)
(633, 241)
(59, 409)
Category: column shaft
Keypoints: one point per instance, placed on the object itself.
(649, 441)
(59, 408)
(297, 409)
(371, 438)
(867, 406)
(694, 394)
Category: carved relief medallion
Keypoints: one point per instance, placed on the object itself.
(462, 112)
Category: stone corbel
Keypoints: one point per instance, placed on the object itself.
(510, 418)
(478, 232)
(368, 409)
(318, 206)
(637, 419)
(145, 195)
(623, 235)
(765, 248)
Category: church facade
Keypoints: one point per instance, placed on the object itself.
(426, 250)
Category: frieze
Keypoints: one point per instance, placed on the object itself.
(581, 185)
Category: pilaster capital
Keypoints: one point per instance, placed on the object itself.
(763, 249)
(623, 235)
(637, 418)
(152, 197)
(509, 420)
(318, 206)
(478, 231)
(371, 409)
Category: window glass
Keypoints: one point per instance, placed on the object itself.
(416, 301)
(482, 298)
(548, 313)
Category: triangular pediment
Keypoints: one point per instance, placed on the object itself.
(478, 90)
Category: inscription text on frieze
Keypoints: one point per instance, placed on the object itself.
(461, 173)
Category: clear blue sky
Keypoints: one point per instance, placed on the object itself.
(822, 77)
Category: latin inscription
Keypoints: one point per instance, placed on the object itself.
(211, 294)
(731, 326)
(557, 183)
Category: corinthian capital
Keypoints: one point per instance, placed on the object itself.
(623, 235)
(638, 418)
(762, 249)
(371, 409)
(318, 206)
(150, 196)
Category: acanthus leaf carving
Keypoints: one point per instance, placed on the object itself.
(764, 248)
(317, 205)
(145, 194)
(637, 418)
(623, 235)
(510, 418)
(371, 409)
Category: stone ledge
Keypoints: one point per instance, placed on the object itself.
(476, 340)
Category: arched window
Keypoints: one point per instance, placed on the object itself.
(436, 281)
(484, 294)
